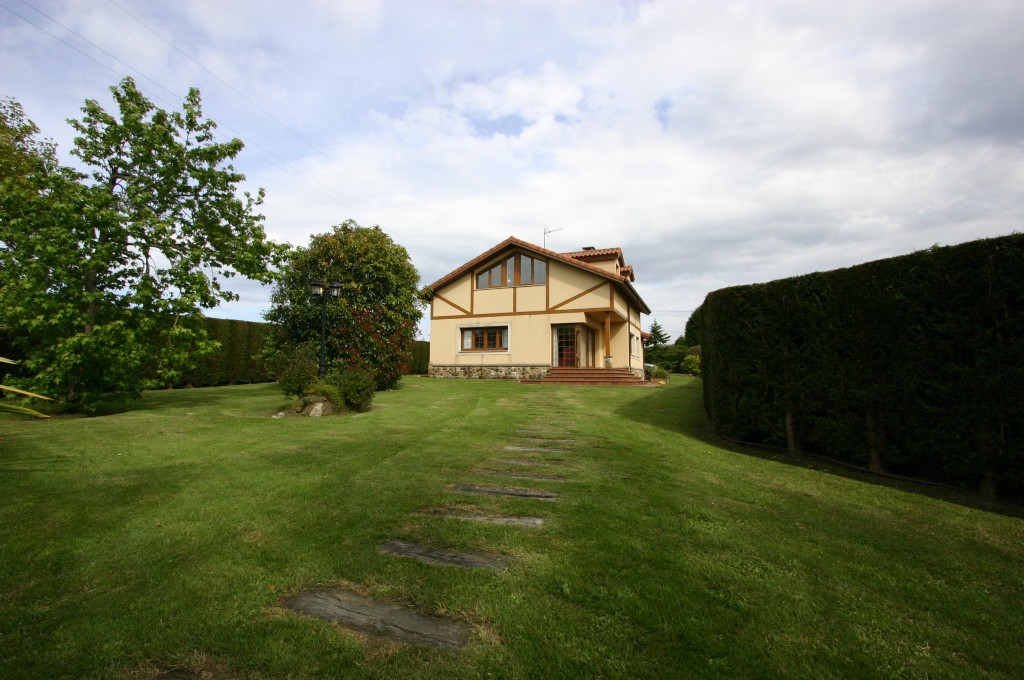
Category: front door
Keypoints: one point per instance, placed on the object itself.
(564, 346)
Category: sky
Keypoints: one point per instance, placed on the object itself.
(717, 143)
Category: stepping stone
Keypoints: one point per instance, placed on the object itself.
(535, 448)
(521, 475)
(447, 559)
(380, 619)
(541, 433)
(546, 439)
(506, 521)
(503, 491)
(522, 461)
(178, 674)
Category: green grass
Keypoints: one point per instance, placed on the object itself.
(167, 535)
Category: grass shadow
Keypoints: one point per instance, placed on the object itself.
(679, 407)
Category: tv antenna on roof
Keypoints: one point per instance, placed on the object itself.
(548, 230)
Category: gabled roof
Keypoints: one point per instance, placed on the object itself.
(512, 243)
(598, 255)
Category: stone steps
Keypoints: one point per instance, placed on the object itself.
(560, 375)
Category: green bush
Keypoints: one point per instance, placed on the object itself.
(658, 373)
(357, 386)
(326, 389)
(296, 369)
(691, 364)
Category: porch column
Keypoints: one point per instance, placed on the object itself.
(607, 339)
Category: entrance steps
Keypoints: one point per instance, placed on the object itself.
(560, 375)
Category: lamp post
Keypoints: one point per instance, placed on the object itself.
(318, 289)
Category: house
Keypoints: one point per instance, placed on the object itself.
(518, 310)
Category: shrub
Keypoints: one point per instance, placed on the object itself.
(296, 369)
(357, 386)
(326, 389)
(691, 364)
(659, 373)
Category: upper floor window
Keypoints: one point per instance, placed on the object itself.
(517, 270)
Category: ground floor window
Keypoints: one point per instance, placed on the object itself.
(486, 339)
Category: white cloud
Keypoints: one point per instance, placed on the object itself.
(717, 143)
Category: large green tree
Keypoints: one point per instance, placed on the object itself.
(658, 335)
(104, 273)
(372, 323)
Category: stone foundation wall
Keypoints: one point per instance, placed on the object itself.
(488, 372)
(638, 372)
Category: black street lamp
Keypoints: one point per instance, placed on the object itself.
(318, 289)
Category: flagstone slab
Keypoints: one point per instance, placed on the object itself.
(523, 475)
(504, 521)
(445, 558)
(504, 491)
(524, 461)
(541, 432)
(380, 619)
(539, 449)
(549, 440)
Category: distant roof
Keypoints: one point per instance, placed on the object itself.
(591, 254)
(570, 259)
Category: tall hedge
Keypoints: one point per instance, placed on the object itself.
(238, 359)
(420, 358)
(910, 364)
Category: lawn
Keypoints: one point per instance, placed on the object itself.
(167, 536)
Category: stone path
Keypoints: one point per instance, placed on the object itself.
(388, 620)
(523, 475)
(503, 491)
(539, 449)
(444, 558)
(546, 440)
(524, 461)
(508, 521)
(543, 434)
(380, 619)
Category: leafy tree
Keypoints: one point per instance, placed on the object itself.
(372, 323)
(13, 408)
(658, 335)
(103, 275)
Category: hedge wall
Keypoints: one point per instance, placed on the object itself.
(910, 364)
(238, 360)
(420, 358)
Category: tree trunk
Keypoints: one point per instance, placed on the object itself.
(876, 442)
(793, 444)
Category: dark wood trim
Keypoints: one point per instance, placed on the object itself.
(449, 302)
(550, 312)
(517, 271)
(608, 334)
(579, 295)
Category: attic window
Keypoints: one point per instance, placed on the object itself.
(517, 270)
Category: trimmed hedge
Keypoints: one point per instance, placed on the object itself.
(420, 358)
(910, 364)
(239, 358)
